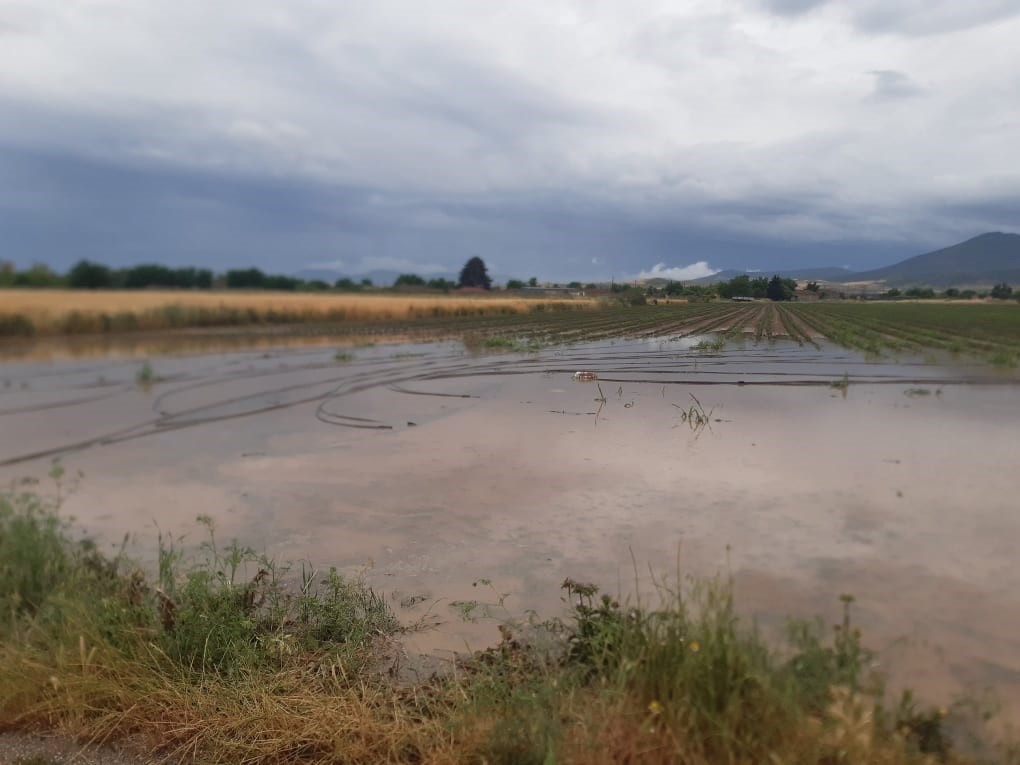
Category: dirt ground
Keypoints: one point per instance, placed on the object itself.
(30, 749)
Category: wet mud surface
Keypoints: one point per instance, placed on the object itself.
(430, 469)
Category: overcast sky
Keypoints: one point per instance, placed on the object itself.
(560, 138)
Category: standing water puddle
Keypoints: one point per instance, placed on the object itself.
(432, 469)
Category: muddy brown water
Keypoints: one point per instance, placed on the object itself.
(429, 469)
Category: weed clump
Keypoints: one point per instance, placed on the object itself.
(145, 376)
(710, 346)
(511, 344)
(1006, 359)
(205, 617)
(16, 325)
(695, 415)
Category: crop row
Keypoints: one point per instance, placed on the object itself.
(977, 330)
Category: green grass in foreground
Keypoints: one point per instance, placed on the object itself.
(230, 658)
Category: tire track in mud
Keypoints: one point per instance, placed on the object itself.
(170, 421)
(329, 384)
(63, 404)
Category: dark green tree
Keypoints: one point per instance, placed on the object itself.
(91, 276)
(533, 281)
(514, 284)
(441, 284)
(247, 278)
(409, 280)
(743, 286)
(779, 288)
(279, 282)
(474, 274)
(1002, 291)
(39, 275)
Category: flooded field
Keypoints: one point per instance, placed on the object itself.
(814, 471)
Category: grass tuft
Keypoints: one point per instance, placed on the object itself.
(145, 376)
(842, 383)
(710, 346)
(16, 325)
(511, 345)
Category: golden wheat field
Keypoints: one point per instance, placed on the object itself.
(73, 311)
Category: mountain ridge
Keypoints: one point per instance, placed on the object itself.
(980, 261)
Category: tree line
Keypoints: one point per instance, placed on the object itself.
(86, 274)
(745, 286)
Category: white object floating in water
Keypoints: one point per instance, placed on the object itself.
(585, 376)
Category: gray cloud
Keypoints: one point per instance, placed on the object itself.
(563, 138)
(906, 17)
(69, 208)
(891, 85)
(929, 17)
(792, 7)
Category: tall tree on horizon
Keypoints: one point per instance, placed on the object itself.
(474, 274)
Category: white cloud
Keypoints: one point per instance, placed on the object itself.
(678, 273)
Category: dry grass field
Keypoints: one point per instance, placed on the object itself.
(46, 312)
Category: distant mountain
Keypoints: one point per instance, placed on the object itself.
(380, 278)
(825, 273)
(981, 261)
(822, 273)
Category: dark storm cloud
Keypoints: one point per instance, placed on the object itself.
(71, 208)
(60, 207)
(987, 212)
(562, 139)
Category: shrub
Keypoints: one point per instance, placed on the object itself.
(16, 325)
(1002, 291)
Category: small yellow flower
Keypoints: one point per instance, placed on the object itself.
(655, 707)
(695, 646)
